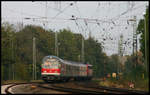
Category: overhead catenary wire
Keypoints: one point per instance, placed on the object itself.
(46, 23)
(80, 17)
(123, 13)
(82, 50)
(88, 20)
(23, 13)
(57, 9)
(78, 9)
(97, 8)
(39, 17)
(42, 16)
(61, 11)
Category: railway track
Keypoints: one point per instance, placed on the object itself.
(120, 90)
(92, 90)
(4, 87)
(11, 85)
(71, 90)
(84, 90)
(116, 90)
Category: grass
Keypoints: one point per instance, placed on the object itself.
(18, 81)
(12, 81)
(140, 84)
(36, 80)
(96, 80)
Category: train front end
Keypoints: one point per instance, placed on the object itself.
(50, 68)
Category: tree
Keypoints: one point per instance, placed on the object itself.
(7, 31)
(141, 31)
(133, 71)
(69, 44)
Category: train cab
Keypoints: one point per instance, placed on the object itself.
(55, 69)
(50, 67)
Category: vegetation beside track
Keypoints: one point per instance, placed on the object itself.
(18, 81)
(124, 83)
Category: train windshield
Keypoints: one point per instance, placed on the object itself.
(51, 63)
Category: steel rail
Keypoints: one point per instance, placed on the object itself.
(122, 90)
(71, 90)
(102, 89)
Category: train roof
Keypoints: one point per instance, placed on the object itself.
(89, 65)
(74, 63)
(66, 61)
(52, 56)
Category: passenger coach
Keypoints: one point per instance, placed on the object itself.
(54, 68)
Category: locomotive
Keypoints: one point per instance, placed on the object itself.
(54, 68)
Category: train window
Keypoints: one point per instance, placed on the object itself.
(89, 67)
(43, 66)
(64, 65)
(67, 67)
(51, 63)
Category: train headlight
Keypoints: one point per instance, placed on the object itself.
(45, 71)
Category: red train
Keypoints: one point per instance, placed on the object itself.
(54, 68)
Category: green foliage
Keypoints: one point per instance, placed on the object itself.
(67, 43)
(7, 32)
(2, 71)
(20, 51)
(141, 30)
(21, 72)
(133, 70)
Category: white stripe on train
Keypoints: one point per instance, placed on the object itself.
(50, 73)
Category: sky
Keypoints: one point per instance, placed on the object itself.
(105, 20)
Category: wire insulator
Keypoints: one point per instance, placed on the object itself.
(71, 4)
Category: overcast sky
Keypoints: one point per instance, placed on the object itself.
(58, 13)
